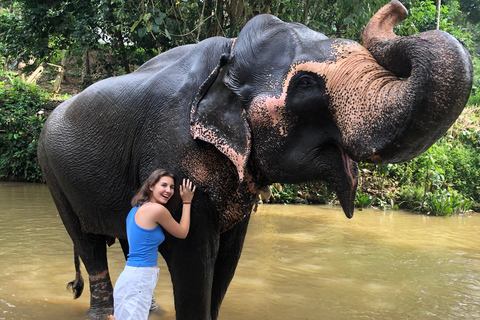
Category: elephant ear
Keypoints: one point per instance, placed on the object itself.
(218, 117)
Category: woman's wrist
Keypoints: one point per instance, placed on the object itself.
(187, 202)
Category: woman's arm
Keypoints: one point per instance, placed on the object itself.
(165, 219)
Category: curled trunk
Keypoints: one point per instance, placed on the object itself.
(415, 105)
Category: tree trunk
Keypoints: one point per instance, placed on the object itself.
(36, 74)
(62, 75)
(219, 19)
(123, 51)
(439, 4)
(236, 12)
(201, 20)
(63, 63)
(86, 72)
(306, 9)
(58, 80)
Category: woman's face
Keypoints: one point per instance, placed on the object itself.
(163, 190)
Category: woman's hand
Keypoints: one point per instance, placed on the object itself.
(165, 219)
(187, 189)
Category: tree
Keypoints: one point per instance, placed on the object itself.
(43, 28)
(424, 16)
(471, 15)
(471, 8)
(439, 5)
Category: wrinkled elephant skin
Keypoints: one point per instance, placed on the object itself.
(280, 103)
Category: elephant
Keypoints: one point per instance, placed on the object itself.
(280, 103)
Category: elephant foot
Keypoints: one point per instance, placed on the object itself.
(101, 296)
(100, 314)
(155, 308)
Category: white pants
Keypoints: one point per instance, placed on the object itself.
(132, 296)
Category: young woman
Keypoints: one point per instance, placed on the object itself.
(145, 224)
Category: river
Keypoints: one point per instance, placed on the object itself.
(299, 262)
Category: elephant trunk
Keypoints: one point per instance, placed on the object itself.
(406, 109)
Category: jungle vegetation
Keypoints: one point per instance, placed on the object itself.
(83, 41)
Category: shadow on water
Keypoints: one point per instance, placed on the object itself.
(299, 262)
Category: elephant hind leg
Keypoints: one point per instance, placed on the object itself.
(91, 248)
(76, 286)
(125, 247)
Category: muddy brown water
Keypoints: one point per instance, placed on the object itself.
(299, 262)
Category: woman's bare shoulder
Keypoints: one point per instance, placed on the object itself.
(154, 208)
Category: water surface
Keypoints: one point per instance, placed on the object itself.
(299, 262)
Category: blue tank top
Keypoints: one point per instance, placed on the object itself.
(143, 243)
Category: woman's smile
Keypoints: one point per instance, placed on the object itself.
(163, 190)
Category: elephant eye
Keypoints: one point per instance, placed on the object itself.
(306, 81)
(306, 94)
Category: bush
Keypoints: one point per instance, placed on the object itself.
(21, 121)
(475, 94)
(446, 203)
(364, 200)
(441, 181)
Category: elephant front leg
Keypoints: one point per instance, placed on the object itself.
(231, 244)
(191, 263)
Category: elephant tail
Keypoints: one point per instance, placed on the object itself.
(76, 286)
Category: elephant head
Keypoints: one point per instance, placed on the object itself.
(294, 106)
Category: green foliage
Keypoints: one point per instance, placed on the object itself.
(364, 200)
(288, 193)
(441, 181)
(339, 19)
(424, 17)
(385, 204)
(411, 197)
(40, 29)
(315, 192)
(445, 203)
(20, 125)
(475, 94)
(141, 55)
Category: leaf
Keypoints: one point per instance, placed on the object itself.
(155, 28)
(168, 34)
(134, 26)
(160, 18)
(142, 32)
(147, 17)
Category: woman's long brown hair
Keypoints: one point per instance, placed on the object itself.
(144, 193)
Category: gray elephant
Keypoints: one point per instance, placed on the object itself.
(280, 103)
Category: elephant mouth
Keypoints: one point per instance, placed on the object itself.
(346, 187)
(348, 163)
